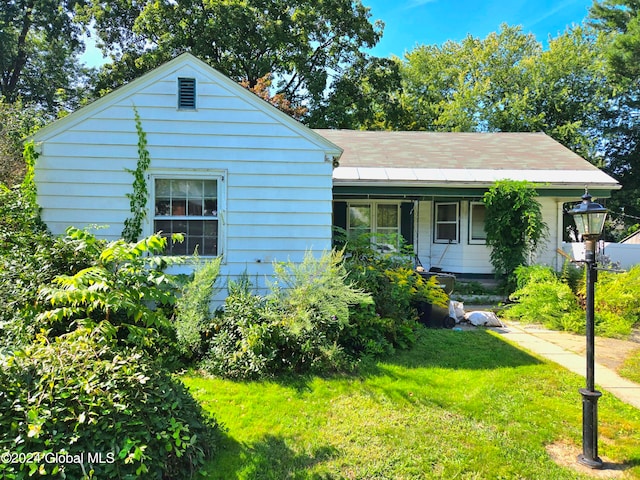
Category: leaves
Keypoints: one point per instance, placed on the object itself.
(138, 199)
(124, 289)
(513, 224)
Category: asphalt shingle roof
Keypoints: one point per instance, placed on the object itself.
(453, 150)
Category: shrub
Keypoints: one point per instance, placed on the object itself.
(29, 257)
(75, 395)
(395, 289)
(125, 293)
(243, 342)
(193, 310)
(543, 298)
(513, 224)
(299, 327)
(618, 301)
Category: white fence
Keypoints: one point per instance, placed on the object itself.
(626, 255)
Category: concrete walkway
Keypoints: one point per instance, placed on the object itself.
(606, 379)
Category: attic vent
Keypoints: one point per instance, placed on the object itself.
(186, 93)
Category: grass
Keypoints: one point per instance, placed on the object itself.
(459, 405)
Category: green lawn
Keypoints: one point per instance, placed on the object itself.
(459, 405)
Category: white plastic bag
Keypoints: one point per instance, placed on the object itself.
(483, 319)
(456, 310)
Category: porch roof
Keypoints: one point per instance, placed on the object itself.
(459, 159)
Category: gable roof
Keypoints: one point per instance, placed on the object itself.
(465, 158)
(186, 59)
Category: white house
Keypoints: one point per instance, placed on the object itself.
(243, 180)
(428, 186)
(237, 176)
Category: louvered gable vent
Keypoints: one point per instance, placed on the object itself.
(186, 93)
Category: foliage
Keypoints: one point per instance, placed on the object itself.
(18, 121)
(123, 295)
(74, 395)
(542, 297)
(193, 309)
(40, 42)
(300, 43)
(244, 343)
(618, 298)
(262, 89)
(513, 224)
(395, 289)
(367, 96)
(506, 82)
(29, 257)
(138, 199)
(620, 21)
(298, 327)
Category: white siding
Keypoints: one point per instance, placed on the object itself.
(466, 258)
(277, 195)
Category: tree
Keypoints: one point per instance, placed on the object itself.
(507, 82)
(366, 97)
(39, 44)
(620, 19)
(514, 225)
(300, 42)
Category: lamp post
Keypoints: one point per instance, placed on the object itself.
(589, 218)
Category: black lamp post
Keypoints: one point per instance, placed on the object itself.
(589, 218)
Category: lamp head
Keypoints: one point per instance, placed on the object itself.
(589, 217)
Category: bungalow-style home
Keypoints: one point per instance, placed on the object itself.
(246, 182)
(428, 186)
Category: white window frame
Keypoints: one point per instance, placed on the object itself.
(437, 222)
(373, 228)
(476, 241)
(213, 175)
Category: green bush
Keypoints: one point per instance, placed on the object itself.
(617, 300)
(541, 297)
(193, 310)
(244, 343)
(125, 293)
(29, 257)
(77, 396)
(299, 327)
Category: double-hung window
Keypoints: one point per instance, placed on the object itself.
(446, 225)
(188, 206)
(380, 219)
(477, 215)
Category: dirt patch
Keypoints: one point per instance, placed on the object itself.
(566, 454)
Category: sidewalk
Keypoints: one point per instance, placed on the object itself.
(606, 379)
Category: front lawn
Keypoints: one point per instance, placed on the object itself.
(457, 405)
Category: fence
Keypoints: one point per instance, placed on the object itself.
(626, 255)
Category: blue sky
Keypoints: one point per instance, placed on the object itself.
(425, 22)
(418, 22)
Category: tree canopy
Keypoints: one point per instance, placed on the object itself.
(620, 20)
(299, 42)
(39, 44)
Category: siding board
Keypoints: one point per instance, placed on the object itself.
(276, 195)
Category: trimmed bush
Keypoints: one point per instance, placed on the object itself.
(115, 412)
